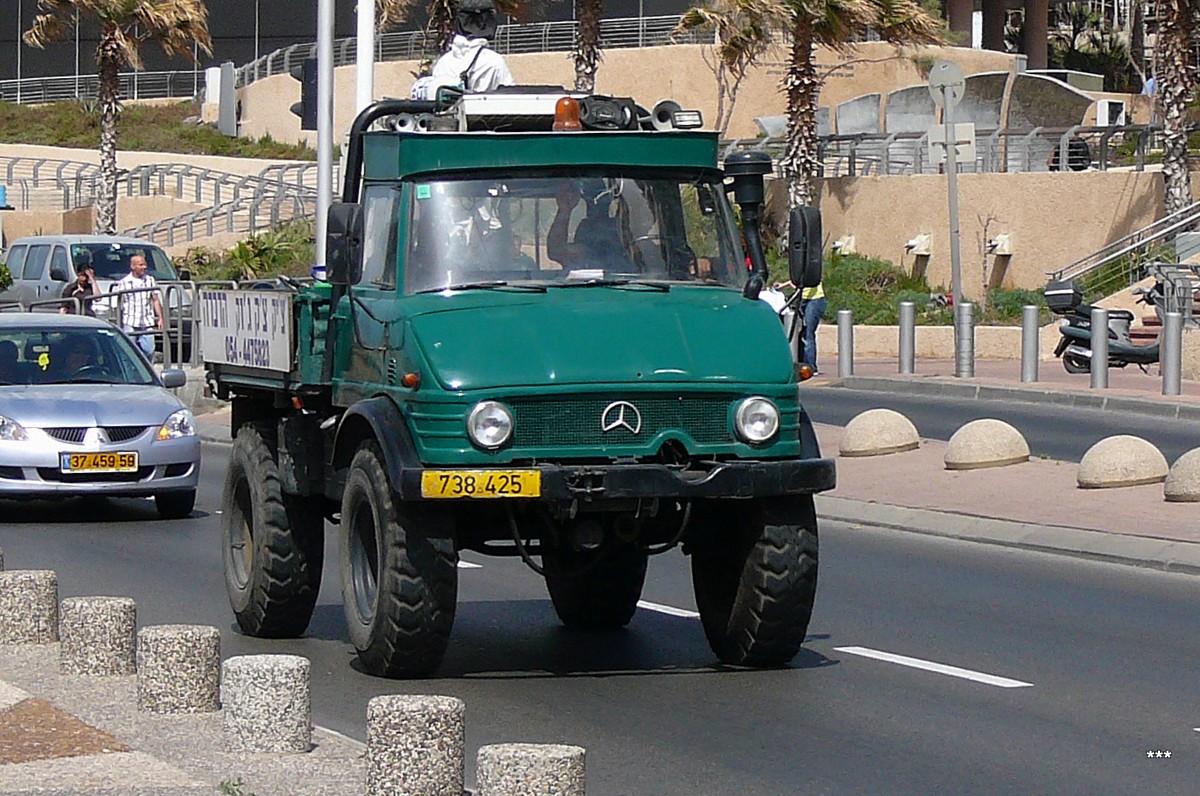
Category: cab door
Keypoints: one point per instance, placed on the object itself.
(37, 262)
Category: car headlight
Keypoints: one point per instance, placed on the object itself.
(179, 424)
(11, 430)
(757, 420)
(490, 424)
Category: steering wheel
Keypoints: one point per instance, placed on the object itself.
(85, 371)
(634, 249)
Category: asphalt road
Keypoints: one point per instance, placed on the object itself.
(1057, 432)
(1097, 661)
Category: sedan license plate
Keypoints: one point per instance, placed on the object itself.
(125, 462)
(481, 484)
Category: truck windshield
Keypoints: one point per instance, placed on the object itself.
(571, 230)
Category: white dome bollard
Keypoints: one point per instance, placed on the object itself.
(98, 635)
(28, 606)
(528, 769)
(1183, 479)
(178, 668)
(985, 443)
(1123, 460)
(415, 745)
(876, 432)
(267, 703)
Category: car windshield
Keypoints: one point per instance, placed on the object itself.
(37, 355)
(565, 230)
(111, 260)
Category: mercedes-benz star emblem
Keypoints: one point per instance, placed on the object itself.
(621, 414)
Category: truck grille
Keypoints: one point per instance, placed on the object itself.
(577, 421)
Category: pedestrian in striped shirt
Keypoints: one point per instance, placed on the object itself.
(141, 312)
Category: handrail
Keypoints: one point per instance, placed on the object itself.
(1155, 232)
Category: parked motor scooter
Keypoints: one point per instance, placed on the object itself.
(1075, 346)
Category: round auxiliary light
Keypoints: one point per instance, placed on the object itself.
(757, 420)
(490, 424)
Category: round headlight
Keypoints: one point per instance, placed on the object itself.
(490, 424)
(757, 420)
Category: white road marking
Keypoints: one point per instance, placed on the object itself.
(669, 610)
(468, 565)
(940, 668)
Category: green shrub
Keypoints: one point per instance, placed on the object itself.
(5, 277)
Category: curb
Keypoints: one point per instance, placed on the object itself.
(1147, 552)
(942, 388)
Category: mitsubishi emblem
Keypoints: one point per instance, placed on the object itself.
(621, 414)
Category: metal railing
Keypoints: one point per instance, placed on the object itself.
(248, 214)
(132, 86)
(996, 150)
(509, 40)
(1124, 261)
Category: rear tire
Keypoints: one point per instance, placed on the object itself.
(755, 583)
(175, 505)
(595, 589)
(399, 584)
(273, 542)
(1076, 364)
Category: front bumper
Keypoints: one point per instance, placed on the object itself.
(732, 479)
(31, 470)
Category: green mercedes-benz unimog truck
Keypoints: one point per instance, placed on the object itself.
(539, 337)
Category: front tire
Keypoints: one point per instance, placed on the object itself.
(273, 543)
(175, 505)
(595, 589)
(1076, 364)
(755, 582)
(399, 583)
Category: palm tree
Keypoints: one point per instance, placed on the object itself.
(804, 24)
(740, 35)
(586, 54)
(177, 26)
(1176, 75)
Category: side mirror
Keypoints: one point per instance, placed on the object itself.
(58, 273)
(185, 275)
(343, 243)
(172, 379)
(804, 247)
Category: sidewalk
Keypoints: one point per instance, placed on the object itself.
(91, 740)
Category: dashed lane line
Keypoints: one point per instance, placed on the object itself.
(468, 565)
(669, 610)
(930, 666)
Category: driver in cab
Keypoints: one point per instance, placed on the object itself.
(597, 241)
(75, 358)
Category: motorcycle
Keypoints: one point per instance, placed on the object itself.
(1075, 346)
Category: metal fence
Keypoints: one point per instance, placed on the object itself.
(996, 150)
(509, 40)
(133, 86)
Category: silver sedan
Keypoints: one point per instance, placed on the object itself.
(83, 413)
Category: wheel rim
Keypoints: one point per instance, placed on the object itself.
(364, 559)
(241, 536)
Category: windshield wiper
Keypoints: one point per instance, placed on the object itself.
(484, 285)
(660, 286)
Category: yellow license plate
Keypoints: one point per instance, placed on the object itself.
(481, 484)
(99, 462)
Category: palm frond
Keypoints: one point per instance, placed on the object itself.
(907, 22)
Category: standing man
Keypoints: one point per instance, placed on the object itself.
(85, 289)
(469, 63)
(141, 312)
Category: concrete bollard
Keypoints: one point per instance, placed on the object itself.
(527, 769)
(267, 704)
(415, 745)
(28, 607)
(1099, 320)
(1030, 344)
(908, 337)
(178, 668)
(99, 636)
